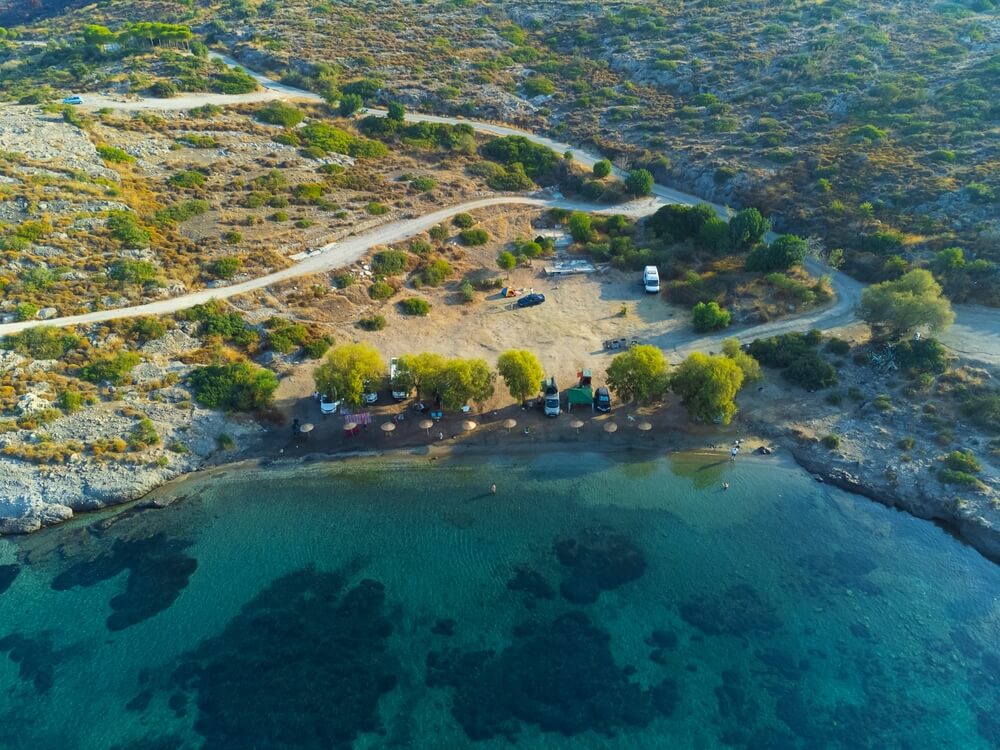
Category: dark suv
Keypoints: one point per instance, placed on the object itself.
(602, 399)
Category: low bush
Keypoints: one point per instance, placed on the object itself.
(316, 348)
(831, 441)
(796, 355)
(708, 316)
(463, 221)
(467, 291)
(389, 262)
(963, 461)
(143, 435)
(372, 323)
(114, 155)
(474, 237)
(112, 370)
(415, 306)
(224, 268)
(381, 290)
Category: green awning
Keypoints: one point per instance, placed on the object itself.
(577, 396)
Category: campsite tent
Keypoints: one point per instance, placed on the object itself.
(580, 396)
(508, 291)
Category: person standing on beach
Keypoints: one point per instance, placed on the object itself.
(733, 452)
(493, 489)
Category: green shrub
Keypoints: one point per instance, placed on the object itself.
(42, 342)
(316, 348)
(343, 279)
(381, 290)
(280, 113)
(70, 401)
(709, 317)
(377, 209)
(114, 154)
(114, 370)
(467, 291)
(178, 213)
(463, 221)
(923, 355)
(907, 443)
(372, 323)
(831, 441)
(389, 262)
(188, 178)
(963, 461)
(474, 237)
(795, 354)
(284, 336)
(838, 347)
(232, 237)
(143, 435)
(147, 329)
(25, 311)
(125, 228)
(217, 320)
(436, 272)
(237, 386)
(415, 306)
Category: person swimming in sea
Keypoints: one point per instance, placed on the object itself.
(725, 485)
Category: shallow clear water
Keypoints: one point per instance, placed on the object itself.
(779, 613)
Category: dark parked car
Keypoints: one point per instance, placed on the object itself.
(602, 399)
(530, 300)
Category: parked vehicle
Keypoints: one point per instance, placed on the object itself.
(550, 398)
(328, 405)
(585, 378)
(530, 300)
(651, 279)
(72, 100)
(602, 399)
(370, 395)
(398, 393)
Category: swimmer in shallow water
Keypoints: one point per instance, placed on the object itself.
(725, 485)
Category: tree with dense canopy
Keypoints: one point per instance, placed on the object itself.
(786, 251)
(237, 386)
(680, 222)
(747, 228)
(707, 385)
(896, 308)
(640, 374)
(750, 366)
(602, 168)
(522, 373)
(346, 371)
(639, 182)
(708, 316)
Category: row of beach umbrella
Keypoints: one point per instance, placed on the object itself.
(508, 424)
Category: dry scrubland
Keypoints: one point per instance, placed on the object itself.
(880, 155)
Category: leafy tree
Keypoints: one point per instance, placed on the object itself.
(506, 261)
(680, 222)
(581, 226)
(708, 316)
(786, 251)
(639, 182)
(640, 374)
(707, 385)
(349, 104)
(236, 386)
(747, 228)
(419, 372)
(602, 169)
(750, 366)
(347, 369)
(539, 161)
(521, 372)
(396, 112)
(714, 236)
(461, 381)
(898, 307)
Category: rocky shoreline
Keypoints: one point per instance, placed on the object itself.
(973, 530)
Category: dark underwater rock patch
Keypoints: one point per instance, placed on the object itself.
(531, 582)
(158, 572)
(303, 665)
(7, 575)
(599, 560)
(560, 676)
(738, 610)
(37, 659)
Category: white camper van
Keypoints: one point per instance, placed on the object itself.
(651, 280)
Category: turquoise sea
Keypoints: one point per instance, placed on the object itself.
(593, 602)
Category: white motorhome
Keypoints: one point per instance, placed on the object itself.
(651, 280)
(398, 393)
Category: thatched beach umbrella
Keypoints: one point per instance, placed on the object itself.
(610, 427)
(576, 424)
(509, 424)
(307, 428)
(388, 427)
(426, 424)
(644, 426)
(468, 425)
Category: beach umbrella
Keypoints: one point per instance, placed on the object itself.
(610, 428)
(468, 425)
(644, 426)
(509, 424)
(307, 428)
(426, 424)
(388, 427)
(350, 428)
(576, 424)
